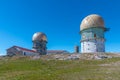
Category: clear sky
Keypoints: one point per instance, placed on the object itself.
(58, 19)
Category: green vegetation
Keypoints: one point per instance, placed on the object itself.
(28, 69)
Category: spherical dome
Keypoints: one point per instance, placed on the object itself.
(93, 20)
(39, 36)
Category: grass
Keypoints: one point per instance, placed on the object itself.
(26, 69)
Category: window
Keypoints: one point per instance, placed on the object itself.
(24, 53)
(94, 35)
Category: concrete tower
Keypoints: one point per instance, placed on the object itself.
(39, 40)
(92, 30)
(76, 49)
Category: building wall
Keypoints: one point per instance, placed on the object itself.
(25, 53)
(17, 52)
(90, 33)
(40, 47)
(92, 46)
(92, 40)
(14, 51)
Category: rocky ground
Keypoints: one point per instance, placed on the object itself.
(98, 66)
(77, 56)
(68, 56)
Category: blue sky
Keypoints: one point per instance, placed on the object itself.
(58, 19)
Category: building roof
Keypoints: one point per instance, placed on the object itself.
(24, 49)
(92, 20)
(57, 51)
(28, 50)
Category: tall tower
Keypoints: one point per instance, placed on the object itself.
(76, 49)
(39, 40)
(92, 30)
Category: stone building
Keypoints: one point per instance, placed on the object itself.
(92, 29)
(20, 51)
(39, 40)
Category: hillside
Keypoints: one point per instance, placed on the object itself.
(27, 68)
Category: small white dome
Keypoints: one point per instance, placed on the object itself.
(93, 20)
(38, 36)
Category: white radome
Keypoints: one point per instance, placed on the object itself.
(92, 20)
(38, 36)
